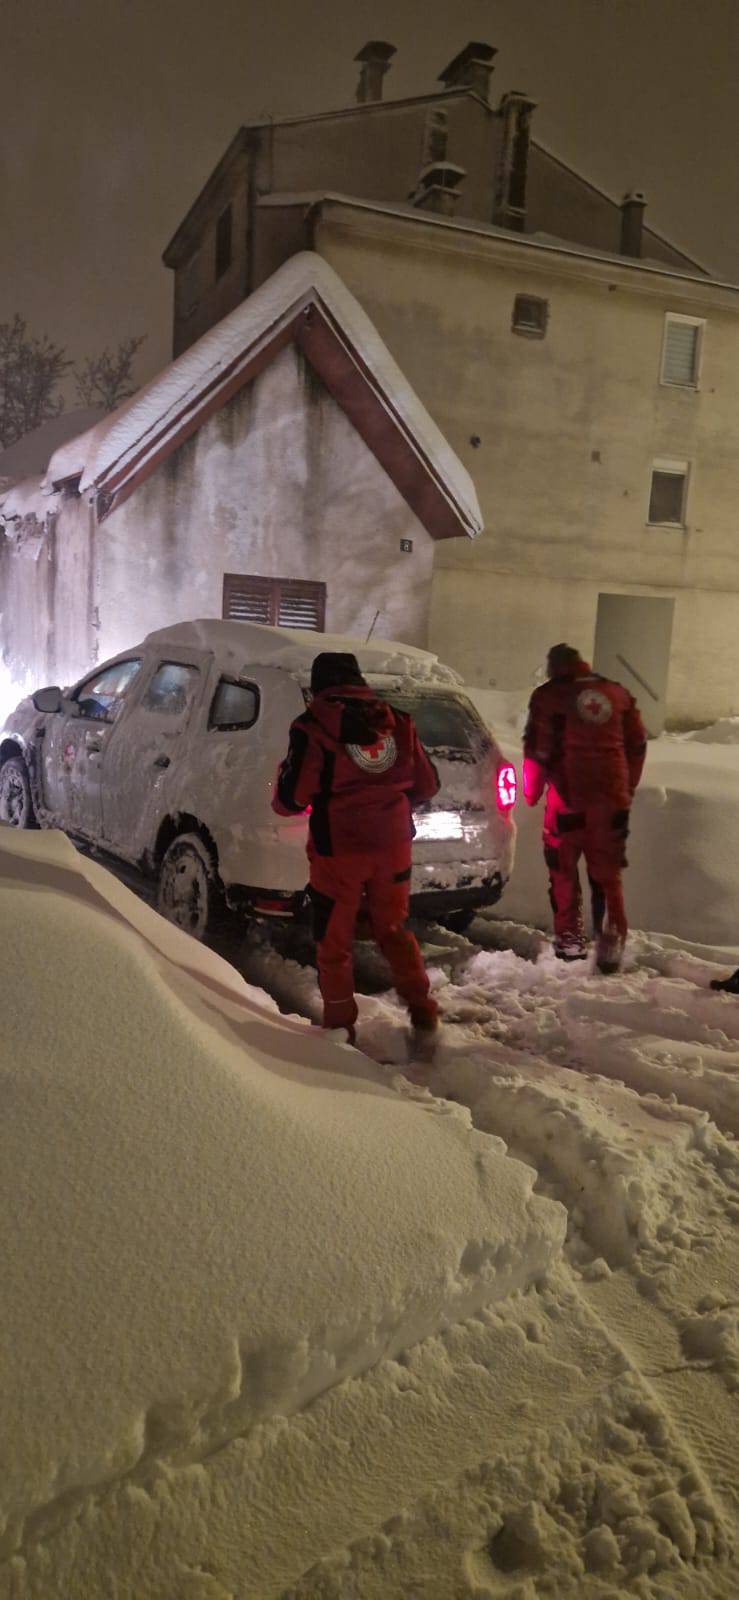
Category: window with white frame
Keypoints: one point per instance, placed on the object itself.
(668, 493)
(681, 351)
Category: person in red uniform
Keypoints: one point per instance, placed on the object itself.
(585, 744)
(360, 767)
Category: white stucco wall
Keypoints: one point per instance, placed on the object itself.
(568, 428)
(277, 484)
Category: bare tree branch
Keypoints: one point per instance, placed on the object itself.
(31, 371)
(107, 380)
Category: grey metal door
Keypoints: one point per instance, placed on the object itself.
(633, 633)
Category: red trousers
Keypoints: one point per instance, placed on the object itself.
(338, 887)
(598, 832)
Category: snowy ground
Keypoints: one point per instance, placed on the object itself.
(594, 1453)
(553, 1422)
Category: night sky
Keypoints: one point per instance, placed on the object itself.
(113, 114)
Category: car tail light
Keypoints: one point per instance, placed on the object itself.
(506, 787)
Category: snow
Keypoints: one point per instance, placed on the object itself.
(134, 429)
(211, 1216)
(289, 1326)
(605, 1466)
(244, 645)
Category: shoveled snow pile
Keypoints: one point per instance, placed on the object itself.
(210, 1216)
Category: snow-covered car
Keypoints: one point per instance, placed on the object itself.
(165, 757)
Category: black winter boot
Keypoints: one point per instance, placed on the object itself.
(727, 985)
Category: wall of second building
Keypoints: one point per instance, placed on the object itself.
(47, 626)
(202, 296)
(560, 435)
(276, 484)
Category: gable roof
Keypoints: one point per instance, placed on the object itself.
(304, 302)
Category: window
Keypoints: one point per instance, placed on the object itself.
(223, 242)
(283, 602)
(435, 137)
(530, 316)
(171, 689)
(235, 705)
(668, 493)
(443, 722)
(101, 697)
(681, 351)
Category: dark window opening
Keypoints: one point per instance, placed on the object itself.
(235, 705)
(224, 231)
(281, 602)
(530, 316)
(667, 497)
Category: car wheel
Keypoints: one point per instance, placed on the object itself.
(16, 801)
(189, 892)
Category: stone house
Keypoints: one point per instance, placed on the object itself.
(584, 369)
(281, 470)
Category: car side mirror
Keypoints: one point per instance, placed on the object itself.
(48, 699)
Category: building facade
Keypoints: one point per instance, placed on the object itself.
(282, 470)
(584, 369)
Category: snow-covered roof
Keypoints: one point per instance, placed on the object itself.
(538, 240)
(251, 644)
(30, 497)
(305, 301)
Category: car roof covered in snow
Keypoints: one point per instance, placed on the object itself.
(243, 645)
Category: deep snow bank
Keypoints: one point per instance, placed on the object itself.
(209, 1213)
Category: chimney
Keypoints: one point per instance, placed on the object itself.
(510, 190)
(471, 69)
(632, 222)
(439, 188)
(375, 58)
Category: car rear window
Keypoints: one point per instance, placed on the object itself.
(443, 722)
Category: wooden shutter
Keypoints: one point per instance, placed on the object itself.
(300, 604)
(247, 599)
(681, 352)
(283, 602)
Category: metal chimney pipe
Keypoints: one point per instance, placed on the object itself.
(632, 223)
(375, 59)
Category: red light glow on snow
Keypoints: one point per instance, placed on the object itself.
(507, 787)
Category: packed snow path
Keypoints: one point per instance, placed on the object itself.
(623, 1095)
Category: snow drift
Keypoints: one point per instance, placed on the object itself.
(210, 1214)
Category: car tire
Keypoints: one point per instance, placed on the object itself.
(189, 893)
(16, 800)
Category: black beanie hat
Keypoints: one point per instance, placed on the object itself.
(562, 658)
(333, 669)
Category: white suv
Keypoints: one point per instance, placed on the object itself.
(165, 757)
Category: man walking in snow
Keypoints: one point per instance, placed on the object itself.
(360, 767)
(585, 743)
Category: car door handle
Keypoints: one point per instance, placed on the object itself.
(162, 761)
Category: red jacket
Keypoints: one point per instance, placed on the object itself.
(584, 735)
(361, 767)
